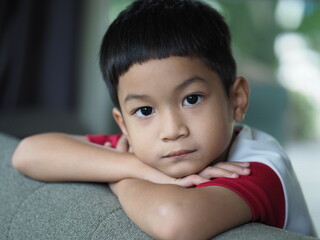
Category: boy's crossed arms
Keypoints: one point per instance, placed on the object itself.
(57, 157)
(162, 206)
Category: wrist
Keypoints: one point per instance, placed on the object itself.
(156, 176)
(139, 170)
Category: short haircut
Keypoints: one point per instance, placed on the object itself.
(157, 29)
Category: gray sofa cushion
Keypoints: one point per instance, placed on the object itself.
(35, 210)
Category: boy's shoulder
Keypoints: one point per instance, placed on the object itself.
(255, 146)
(252, 145)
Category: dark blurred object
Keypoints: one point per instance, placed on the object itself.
(25, 123)
(38, 57)
(267, 109)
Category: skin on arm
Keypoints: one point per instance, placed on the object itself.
(173, 212)
(57, 157)
(60, 157)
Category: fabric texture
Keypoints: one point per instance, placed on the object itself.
(31, 210)
(265, 198)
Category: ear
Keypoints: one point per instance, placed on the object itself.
(119, 120)
(240, 98)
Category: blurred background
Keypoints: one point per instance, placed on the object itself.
(50, 78)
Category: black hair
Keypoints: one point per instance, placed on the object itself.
(157, 29)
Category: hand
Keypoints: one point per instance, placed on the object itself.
(226, 169)
(123, 144)
(221, 169)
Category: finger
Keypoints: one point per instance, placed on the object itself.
(108, 144)
(197, 179)
(130, 149)
(216, 172)
(242, 164)
(191, 181)
(241, 169)
(122, 144)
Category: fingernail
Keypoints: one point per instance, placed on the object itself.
(234, 175)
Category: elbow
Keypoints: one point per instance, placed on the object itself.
(168, 225)
(19, 158)
(173, 223)
(24, 157)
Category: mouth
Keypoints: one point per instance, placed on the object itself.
(178, 153)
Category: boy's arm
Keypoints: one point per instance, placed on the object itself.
(173, 212)
(61, 157)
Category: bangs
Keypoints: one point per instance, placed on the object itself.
(154, 30)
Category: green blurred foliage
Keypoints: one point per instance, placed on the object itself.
(310, 25)
(302, 116)
(253, 28)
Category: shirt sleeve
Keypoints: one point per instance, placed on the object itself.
(101, 139)
(262, 190)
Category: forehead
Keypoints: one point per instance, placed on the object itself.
(165, 72)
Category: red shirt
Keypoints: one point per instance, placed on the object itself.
(102, 139)
(262, 189)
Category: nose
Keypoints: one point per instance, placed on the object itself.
(173, 126)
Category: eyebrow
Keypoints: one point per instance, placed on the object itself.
(130, 97)
(181, 86)
(190, 81)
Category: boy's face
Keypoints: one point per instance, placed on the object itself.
(176, 114)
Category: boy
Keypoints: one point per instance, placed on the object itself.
(171, 75)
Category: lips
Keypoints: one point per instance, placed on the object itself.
(178, 153)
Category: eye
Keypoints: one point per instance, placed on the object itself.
(192, 100)
(144, 112)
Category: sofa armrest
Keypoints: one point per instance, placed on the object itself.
(31, 209)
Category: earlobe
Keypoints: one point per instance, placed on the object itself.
(240, 98)
(117, 115)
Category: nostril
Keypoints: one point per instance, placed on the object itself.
(175, 133)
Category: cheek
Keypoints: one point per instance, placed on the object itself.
(218, 140)
(214, 132)
(142, 146)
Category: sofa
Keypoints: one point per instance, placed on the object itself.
(33, 210)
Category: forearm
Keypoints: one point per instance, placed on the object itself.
(59, 157)
(141, 200)
(163, 211)
(172, 212)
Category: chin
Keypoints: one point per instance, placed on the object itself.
(181, 171)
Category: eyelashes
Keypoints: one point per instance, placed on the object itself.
(192, 99)
(147, 111)
(144, 112)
